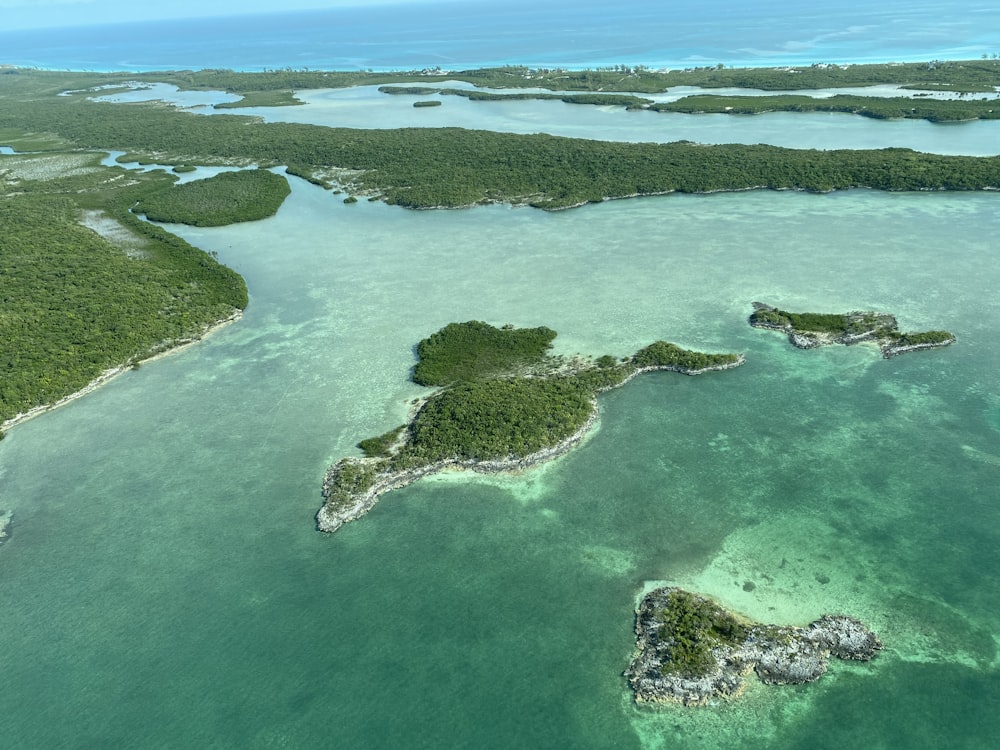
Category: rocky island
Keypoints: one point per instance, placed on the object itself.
(503, 404)
(689, 650)
(810, 330)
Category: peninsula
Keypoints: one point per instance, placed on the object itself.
(810, 330)
(689, 650)
(504, 404)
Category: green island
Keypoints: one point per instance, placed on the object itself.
(877, 107)
(811, 330)
(690, 650)
(881, 108)
(226, 198)
(427, 103)
(625, 100)
(503, 404)
(270, 98)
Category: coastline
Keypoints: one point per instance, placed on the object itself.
(329, 519)
(113, 372)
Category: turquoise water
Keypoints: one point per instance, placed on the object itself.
(163, 585)
(556, 33)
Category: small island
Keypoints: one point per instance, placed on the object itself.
(504, 404)
(689, 650)
(810, 330)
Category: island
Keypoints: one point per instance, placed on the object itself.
(810, 330)
(689, 650)
(504, 404)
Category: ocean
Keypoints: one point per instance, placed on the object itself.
(577, 34)
(163, 585)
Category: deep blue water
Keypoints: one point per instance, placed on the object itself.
(576, 34)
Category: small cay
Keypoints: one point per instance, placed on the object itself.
(503, 404)
(810, 330)
(689, 650)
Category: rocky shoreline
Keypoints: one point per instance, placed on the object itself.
(330, 518)
(860, 326)
(335, 513)
(779, 655)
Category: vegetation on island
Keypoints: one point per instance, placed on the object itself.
(88, 286)
(625, 100)
(689, 627)
(427, 103)
(665, 354)
(271, 98)
(478, 351)
(809, 330)
(878, 107)
(882, 108)
(503, 398)
(226, 198)
(690, 650)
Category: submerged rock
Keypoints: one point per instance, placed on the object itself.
(690, 650)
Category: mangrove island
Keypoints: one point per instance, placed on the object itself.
(504, 404)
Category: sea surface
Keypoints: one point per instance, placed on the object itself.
(163, 584)
(577, 33)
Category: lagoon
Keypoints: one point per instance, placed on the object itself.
(366, 107)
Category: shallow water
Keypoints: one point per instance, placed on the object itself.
(165, 586)
(366, 107)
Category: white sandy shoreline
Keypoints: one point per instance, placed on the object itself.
(113, 372)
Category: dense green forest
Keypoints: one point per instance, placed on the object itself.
(226, 198)
(429, 167)
(86, 285)
(477, 350)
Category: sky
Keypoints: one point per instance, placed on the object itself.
(32, 14)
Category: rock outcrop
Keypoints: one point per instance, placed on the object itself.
(690, 650)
